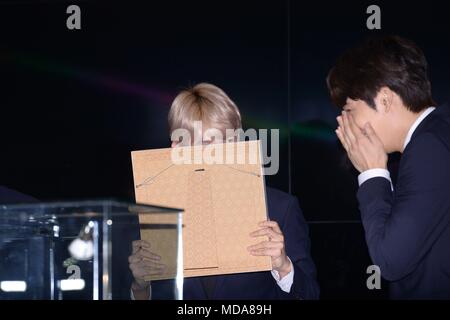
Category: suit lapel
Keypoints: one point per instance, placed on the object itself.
(434, 116)
(437, 118)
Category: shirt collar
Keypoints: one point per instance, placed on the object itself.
(416, 124)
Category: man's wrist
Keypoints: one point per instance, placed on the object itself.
(137, 287)
(378, 166)
(284, 269)
(373, 173)
(140, 291)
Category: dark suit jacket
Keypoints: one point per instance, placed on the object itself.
(408, 230)
(8, 196)
(284, 209)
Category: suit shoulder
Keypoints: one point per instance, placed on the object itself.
(426, 160)
(279, 196)
(437, 128)
(436, 139)
(279, 203)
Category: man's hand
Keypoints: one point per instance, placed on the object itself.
(274, 247)
(143, 263)
(363, 146)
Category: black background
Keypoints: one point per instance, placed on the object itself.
(73, 104)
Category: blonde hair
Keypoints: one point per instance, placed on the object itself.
(207, 103)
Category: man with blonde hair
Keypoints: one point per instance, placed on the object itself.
(206, 103)
(293, 275)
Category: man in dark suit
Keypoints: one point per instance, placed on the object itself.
(285, 211)
(383, 88)
(293, 275)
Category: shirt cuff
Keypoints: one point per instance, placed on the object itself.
(286, 282)
(149, 293)
(373, 173)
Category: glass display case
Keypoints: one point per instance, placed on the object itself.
(80, 250)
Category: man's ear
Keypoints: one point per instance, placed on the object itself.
(387, 97)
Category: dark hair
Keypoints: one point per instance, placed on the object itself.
(390, 61)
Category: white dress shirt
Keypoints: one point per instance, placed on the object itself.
(379, 172)
(285, 283)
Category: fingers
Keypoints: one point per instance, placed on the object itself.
(143, 254)
(152, 264)
(138, 258)
(341, 138)
(146, 264)
(274, 247)
(370, 133)
(271, 224)
(354, 128)
(342, 135)
(266, 245)
(145, 268)
(271, 252)
(134, 259)
(348, 130)
(136, 245)
(141, 243)
(140, 273)
(269, 233)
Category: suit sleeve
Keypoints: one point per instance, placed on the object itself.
(402, 227)
(297, 243)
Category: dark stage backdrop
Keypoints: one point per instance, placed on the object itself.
(73, 104)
